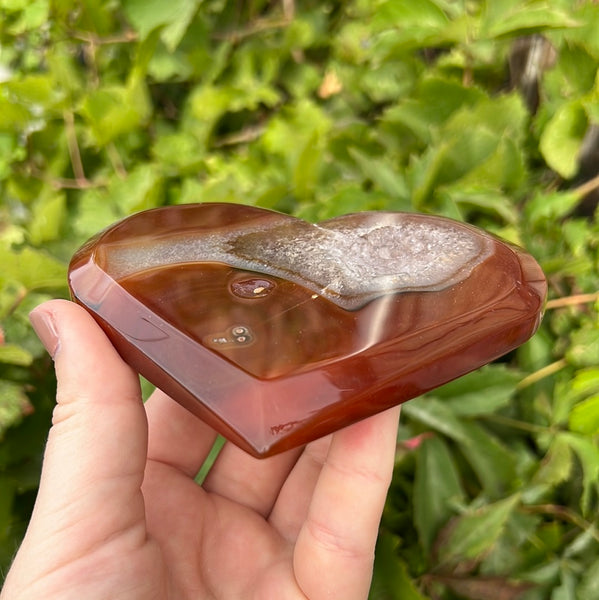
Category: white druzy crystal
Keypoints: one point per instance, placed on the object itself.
(349, 260)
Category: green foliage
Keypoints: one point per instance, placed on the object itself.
(319, 109)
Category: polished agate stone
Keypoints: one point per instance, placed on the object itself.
(276, 331)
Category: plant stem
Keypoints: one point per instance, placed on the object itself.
(565, 514)
(73, 145)
(549, 369)
(522, 425)
(116, 161)
(571, 300)
(587, 187)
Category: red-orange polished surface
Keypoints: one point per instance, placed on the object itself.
(275, 331)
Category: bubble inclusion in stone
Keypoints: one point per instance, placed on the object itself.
(252, 287)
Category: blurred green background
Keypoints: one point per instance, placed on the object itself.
(482, 110)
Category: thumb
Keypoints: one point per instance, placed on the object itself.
(96, 451)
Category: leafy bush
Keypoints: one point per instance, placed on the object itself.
(485, 111)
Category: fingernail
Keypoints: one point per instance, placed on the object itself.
(45, 327)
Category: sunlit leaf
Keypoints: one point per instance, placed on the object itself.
(47, 218)
(115, 110)
(139, 190)
(562, 137)
(584, 417)
(529, 18)
(173, 17)
(34, 15)
(551, 205)
(307, 167)
(15, 355)
(35, 269)
(584, 351)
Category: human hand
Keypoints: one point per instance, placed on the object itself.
(119, 515)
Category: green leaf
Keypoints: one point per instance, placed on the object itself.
(173, 16)
(348, 199)
(576, 72)
(567, 589)
(7, 499)
(584, 383)
(406, 13)
(461, 148)
(390, 579)
(12, 115)
(586, 33)
(308, 126)
(95, 211)
(438, 416)
(15, 355)
(588, 587)
(178, 153)
(34, 15)
(115, 110)
(528, 18)
(47, 219)
(435, 100)
(562, 137)
(481, 392)
(584, 417)
(388, 82)
(486, 587)
(307, 167)
(37, 93)
(584, 348)
(588, 454)
(205, 105)
(552, 205)
(481, 200)
(14, 404)
(380, 173)
(492, 462)
(504, 169)
(475, 532)
(436, 485)
(139, 190)
(557, 464)
(35, 269)
(413, 22)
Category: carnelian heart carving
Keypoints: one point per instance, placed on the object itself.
(276, 331)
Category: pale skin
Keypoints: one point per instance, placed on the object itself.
(119, 515)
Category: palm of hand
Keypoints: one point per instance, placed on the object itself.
(213, 546)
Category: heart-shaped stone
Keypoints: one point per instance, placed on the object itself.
(276, 331)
